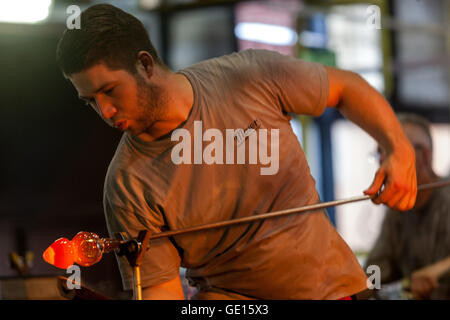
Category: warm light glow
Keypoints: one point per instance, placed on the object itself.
(49, 255)
(60, 254)
(266, 33)
(85, 249)
(24, 11)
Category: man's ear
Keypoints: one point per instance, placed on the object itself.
(145, 64)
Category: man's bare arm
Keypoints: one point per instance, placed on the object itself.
(364, 106)
(170, 290)
(425, 280)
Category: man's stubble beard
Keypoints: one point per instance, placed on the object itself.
(151, 101)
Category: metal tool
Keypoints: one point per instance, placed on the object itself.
(258, 217)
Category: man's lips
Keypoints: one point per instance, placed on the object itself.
(121, 125)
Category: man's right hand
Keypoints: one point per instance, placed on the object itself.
(425, 280)
(397, 173)
(423, 284)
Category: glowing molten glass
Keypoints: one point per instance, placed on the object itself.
(60, 253)
(85, 249)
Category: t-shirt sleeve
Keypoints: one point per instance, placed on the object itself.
(301, 86)
(124, 212)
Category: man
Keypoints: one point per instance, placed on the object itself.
(413, 248)
(152, 183)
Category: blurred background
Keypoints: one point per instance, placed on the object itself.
(55, 151)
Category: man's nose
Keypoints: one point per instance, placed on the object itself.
(107, 109)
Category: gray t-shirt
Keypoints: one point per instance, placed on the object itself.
(300, 256)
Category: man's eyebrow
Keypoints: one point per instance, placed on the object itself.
(96, 91)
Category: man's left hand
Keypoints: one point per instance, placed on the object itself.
(397, 174)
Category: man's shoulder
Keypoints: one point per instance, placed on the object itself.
(240, 59)
(253, 57)
(254, 54)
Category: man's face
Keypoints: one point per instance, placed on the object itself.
(125, 101)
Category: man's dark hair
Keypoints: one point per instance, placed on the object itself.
(107, 35)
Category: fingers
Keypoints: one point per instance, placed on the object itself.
(377, 183)
(398, 199)
(398, 175)
(395, 195)
(410, 200)
(405, 199)
(424, 282)
(422, 287)
(391, 195)
(413, 195)
(399, 193)
(434, 283)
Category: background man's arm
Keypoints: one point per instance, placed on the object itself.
(364, 106)
(170, 290)
(425, 280)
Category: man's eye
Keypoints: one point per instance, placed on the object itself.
(109, 91)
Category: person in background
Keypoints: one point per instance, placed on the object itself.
(413, 248)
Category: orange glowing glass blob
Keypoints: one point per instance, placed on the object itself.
(60, 253)
(85, 249)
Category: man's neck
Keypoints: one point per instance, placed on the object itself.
(178, 102)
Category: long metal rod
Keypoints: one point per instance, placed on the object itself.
(280, 213)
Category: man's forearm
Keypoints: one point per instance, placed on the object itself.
(364, 106)
(367, 108)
